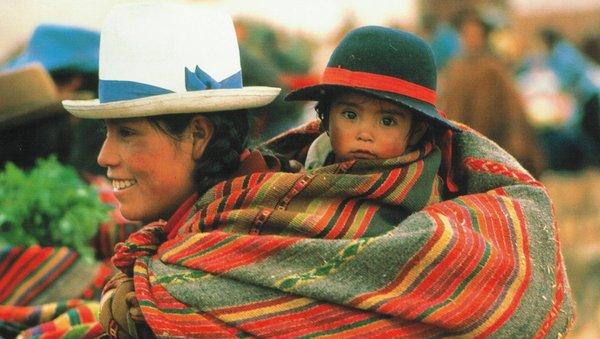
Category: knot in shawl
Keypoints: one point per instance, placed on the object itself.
(144, 242)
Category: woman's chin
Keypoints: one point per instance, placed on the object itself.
(134, 214)
(131, 216)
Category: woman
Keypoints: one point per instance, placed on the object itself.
(315, 253)
(196, 150)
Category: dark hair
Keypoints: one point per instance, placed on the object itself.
(221, 157)
(323, 107)
(89, 81)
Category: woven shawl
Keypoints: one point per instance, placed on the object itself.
(360, 248)
(72, 318)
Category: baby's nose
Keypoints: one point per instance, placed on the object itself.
(364, 135)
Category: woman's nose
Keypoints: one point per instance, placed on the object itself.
(108, 156)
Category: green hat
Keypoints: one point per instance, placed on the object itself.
(387, 63)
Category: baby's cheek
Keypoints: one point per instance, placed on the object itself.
(393, 148)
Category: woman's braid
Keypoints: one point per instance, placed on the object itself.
(222, 155)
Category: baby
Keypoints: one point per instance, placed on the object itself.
(376, 99)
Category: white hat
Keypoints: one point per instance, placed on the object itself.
(166, 58)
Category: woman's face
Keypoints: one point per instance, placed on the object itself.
(151, 172)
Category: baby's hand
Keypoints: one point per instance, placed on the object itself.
(296, 166)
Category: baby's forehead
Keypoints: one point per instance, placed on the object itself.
(351, 98)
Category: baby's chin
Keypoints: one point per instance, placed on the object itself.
(356, 157)
(364, 156)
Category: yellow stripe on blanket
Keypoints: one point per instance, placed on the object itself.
(243, 315)
(416, 270)
(512, 290)
(34, 280)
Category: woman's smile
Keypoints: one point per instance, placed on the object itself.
(146, 189)
(121, 184)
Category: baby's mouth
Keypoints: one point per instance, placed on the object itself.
(119, 185)
(363, 154)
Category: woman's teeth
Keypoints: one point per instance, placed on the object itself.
(122, 184)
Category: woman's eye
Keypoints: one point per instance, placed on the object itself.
(125, 132)
(349, 115)
(388, 121)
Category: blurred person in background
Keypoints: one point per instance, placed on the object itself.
(443, 38)
(32, 123)
(477, 89)
(581, 133)
(70, 56)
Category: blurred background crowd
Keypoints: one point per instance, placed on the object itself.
(524, 73)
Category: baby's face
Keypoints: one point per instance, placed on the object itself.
(363, 127)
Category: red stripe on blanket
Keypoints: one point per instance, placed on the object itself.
(343, 220)
(362, 227)
(28, 260)
(419, 256)
(560, 288)
(216, 258)
(490, 166)
(476, 298)
(172, 249)
(420, 166)
(240, 252)
(7, 261)
(442, 284)
(326, 218)
(65, 258)
(520, 290)
(155, 298)
(390, 183)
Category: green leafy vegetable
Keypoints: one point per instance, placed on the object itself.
(50, 206)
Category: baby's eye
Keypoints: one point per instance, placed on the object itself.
(349, 115)
(388, 121)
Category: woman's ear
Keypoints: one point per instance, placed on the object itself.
(417, 131)
(202, 131)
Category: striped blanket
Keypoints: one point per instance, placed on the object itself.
(49, 277)
(361, 248)
(68, 318)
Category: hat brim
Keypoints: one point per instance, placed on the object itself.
(16, 118)
(175, 103)
(318, 92)
(27, 94)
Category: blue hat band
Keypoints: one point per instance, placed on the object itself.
(118, 90)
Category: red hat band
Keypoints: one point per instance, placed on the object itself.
(343, 77)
